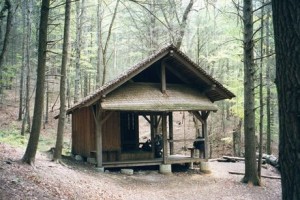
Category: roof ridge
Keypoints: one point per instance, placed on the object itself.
(131, 70)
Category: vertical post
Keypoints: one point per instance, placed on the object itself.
(171, 133)
(163, 77)
(165, 141)
(99, 143)
(204, 116)
(152, 118)
(155, 122)
(98, 118)
(206, 143)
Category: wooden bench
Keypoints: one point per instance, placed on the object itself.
(108, 155)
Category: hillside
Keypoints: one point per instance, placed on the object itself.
(79, 180)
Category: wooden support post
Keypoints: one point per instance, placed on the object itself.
(171, 133)
(98, 117)
(204, 116)
(152, 130)
(155, 124)
(206, 143)
(163, 78)
(203, 119)
(165, 139)
(99, 140)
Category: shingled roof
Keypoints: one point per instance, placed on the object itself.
(178, 63)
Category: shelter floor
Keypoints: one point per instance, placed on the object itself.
(172, 159)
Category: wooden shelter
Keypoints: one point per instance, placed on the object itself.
(105, 124)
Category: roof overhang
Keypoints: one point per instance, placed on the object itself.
(148, 97)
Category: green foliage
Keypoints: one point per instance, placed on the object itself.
(13, 137)
(213, 39)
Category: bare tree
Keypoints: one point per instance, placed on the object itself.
(183, 23)
(106, 44)
(177, 36)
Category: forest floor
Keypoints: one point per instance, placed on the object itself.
(80, 180)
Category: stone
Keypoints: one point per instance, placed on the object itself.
(127, 171)
(92, 160)
(165, 169)
(78, 158)
(204, 167)
(100, 169)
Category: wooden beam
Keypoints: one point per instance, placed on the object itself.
(146, 118)
(198, 116)
(165, 139)
(171, 133)
(163, 78)
(178, 74)
(210, 88)
(99, 144)
(196, 71)
(206, 143)
(203, 119)
(205, 114)
(152, 130)
(155, 123)
(186, 140)
(98, 114)
(105, 118)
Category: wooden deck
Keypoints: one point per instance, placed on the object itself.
(172, 159)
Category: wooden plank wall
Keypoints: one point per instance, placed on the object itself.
(84, 137)
(111, 132)
(82, 131)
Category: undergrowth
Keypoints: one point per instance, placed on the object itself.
(15, 139)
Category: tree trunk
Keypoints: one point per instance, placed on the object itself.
(28, 41)
(261, 103)
(99, 44)
(47, 105)
(268, 79)
(237, 139)
(7, 6)
(249, 114)
(105, 48)
(23, 63)
(78, 49)
(152, 27)
(183, 23)
(29, 156)
(287, 46)
(62, 110)
(85, 83)
(26, 119)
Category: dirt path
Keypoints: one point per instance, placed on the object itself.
(49, 180)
